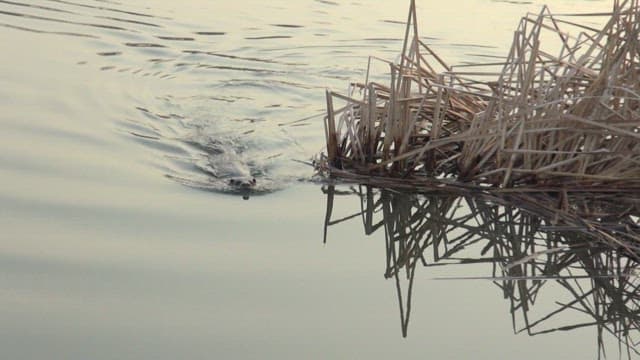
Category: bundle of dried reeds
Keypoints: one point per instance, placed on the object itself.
(568, 118)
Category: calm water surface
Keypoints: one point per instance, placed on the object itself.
(121, 238)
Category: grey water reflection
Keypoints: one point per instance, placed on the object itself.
(524, 254)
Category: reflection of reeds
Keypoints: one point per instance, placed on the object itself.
(526, 248)
(563, 112)
(536, 173)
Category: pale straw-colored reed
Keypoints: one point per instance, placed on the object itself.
(561, 118)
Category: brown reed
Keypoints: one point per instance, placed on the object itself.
(565, 118)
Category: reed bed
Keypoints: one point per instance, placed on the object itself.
(538, 166)
(562, 113)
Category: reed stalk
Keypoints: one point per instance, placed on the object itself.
(561, 113)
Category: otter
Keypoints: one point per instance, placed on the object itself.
(231, 169)
(242, 183)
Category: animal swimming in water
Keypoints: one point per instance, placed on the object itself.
(242, 183)
(232, 165)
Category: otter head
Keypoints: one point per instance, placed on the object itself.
(243, 185)
(240, 183)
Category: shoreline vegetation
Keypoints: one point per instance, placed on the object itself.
(553, 127)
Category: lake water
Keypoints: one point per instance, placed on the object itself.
(121, 238)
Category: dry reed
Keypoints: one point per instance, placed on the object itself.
(560, 119)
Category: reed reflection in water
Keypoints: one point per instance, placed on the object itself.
(525, 253)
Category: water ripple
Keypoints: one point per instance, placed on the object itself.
(128, 21)
(105, 9)
(211, 33)
(236, 57)
(288, 26)
(36, 17)
(23, 28)
(267, 37)
(176, 38)
(144, 45)
(36, 6)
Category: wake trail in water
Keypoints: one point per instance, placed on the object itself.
(226, 103)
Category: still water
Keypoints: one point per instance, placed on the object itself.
(122, 239)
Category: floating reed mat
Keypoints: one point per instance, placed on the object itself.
(561, 111)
